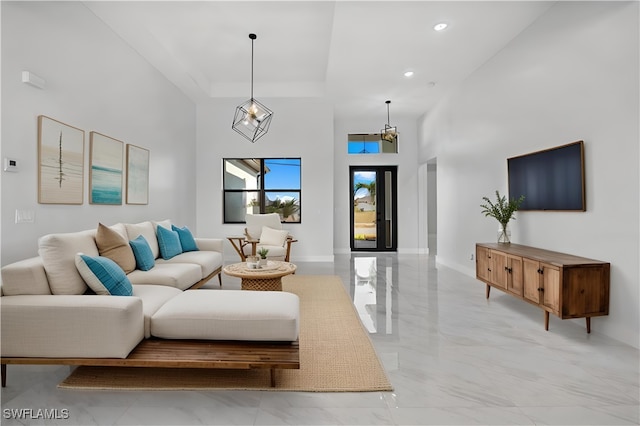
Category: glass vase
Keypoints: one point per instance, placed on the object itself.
(504, 233)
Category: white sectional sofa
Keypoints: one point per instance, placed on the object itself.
(54, 310)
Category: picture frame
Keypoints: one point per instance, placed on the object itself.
(137, 175)
(60, 162)
(106, 169)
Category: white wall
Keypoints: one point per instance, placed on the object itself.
(572, 75)
(407, 162)
(97, 83)
(301, 127)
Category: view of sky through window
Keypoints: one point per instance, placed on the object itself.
(283, 173)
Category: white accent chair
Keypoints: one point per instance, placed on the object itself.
(263, 231)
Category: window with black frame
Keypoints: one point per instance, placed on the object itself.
(261, 185)
(371, 143)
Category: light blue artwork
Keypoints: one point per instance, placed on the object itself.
(106, 170)
(137, 175)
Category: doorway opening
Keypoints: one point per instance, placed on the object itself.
(373, 224)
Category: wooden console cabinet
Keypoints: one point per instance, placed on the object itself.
(564, 285)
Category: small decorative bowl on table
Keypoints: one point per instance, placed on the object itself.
(253, 262)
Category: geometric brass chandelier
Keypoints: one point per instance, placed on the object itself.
(389, 134)
(252, 119)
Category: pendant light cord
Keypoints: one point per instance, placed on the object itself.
(252, 37)
(388, 117)
(251, 67)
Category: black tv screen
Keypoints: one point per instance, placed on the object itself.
(552, 179)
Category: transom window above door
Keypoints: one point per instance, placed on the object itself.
(261, 185)
(370, 143)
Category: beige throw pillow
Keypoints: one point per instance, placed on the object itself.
(273, 237)
(113, 245)
(58, 252)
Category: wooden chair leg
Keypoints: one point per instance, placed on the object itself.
(286, 257)
(238, 247)
(288, 253)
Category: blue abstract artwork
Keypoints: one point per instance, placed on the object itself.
(105, 180)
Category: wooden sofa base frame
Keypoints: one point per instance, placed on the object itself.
(161, 353)
(207, 278)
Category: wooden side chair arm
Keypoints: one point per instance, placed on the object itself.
(238, 244)
(290, 240)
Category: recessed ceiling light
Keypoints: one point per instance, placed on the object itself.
(441, 26)
(408, 73)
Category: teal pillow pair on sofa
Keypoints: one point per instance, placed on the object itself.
(174, 241)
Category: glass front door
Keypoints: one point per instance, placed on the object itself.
(374, 212)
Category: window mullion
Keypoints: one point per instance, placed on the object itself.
(263, 198)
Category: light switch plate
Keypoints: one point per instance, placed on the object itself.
(25, 216)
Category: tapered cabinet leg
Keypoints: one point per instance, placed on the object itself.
(487, 291)
(546, 320)
(4, 375)
(588, 324)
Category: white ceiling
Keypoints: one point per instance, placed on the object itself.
(352, 52)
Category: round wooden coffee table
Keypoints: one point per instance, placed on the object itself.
(268, 277)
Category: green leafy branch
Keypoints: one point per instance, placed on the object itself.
(502, 210)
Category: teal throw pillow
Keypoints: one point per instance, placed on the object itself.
(169, 243)
(143, 254)
(103, 275)
(187, 241)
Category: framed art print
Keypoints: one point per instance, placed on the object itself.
(60, 162)
(137, 175)
(106, 168)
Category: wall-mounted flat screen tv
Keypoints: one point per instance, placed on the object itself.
(552, 179)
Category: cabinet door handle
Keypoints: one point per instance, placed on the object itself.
(506, 269)
(509, 270)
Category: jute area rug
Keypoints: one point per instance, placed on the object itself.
(336, 354)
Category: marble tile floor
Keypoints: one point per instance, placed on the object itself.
(453, 357)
